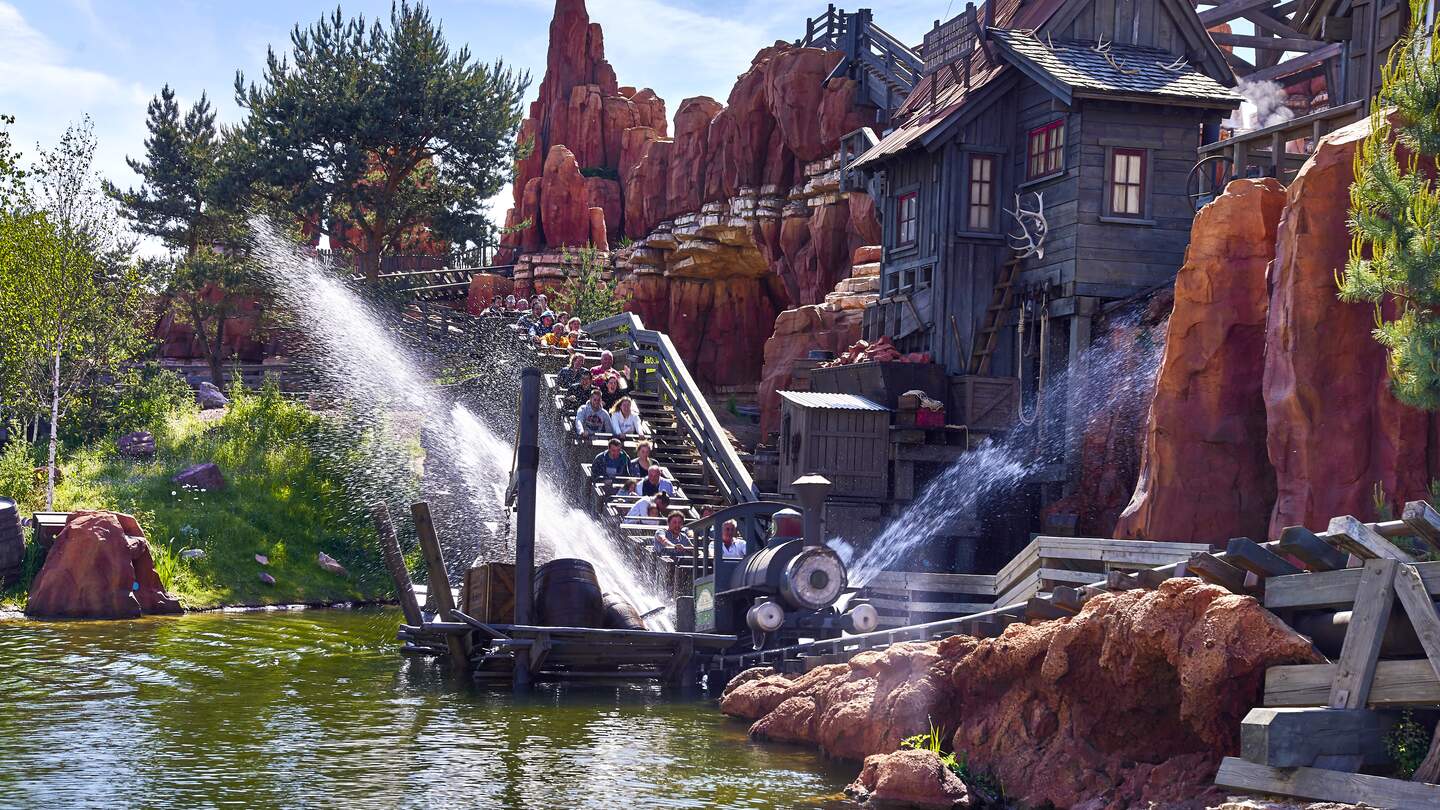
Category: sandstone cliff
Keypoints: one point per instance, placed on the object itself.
(1280, 363)
(734, 219)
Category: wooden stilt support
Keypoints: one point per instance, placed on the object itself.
(440, 596)
(395, 561)
(1424, 521)
(1373, 602)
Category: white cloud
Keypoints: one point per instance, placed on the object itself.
(35, 69)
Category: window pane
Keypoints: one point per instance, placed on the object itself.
(1132, 199)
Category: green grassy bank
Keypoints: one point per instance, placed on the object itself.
(297, 484)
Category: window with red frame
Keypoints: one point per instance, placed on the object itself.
(1047, 150)
(907, 218)
(982, 193)
(1127, 182)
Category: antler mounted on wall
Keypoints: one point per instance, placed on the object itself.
(1033, 229)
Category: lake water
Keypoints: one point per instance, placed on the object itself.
(317, 709)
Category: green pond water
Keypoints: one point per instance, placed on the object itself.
(317, 709)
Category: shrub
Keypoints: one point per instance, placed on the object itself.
(1408, 743)
(149, 398)
(17, 474)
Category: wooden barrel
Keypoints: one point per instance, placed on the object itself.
(12, 540)
(567, 594)
(620, 614)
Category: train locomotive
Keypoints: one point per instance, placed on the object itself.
(788, 587)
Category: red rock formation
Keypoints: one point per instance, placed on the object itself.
(99, 568)
(1177, 669)
(1334, 428)
(911, 779)
(1205, 476)
(598, 238)
(564, 212)
(740, 214)
(829, 326)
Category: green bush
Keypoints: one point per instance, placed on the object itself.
(17, 474)
(1408, 743)
(148, 398)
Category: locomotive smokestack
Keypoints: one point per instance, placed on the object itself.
(812, 490)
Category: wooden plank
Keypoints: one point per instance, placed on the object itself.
(1216, 571)
(1424, 521)
(1358, 657)
(1363, 541)
(1414, 597)
(395, 562)
(1249, 555)
(1301, 738)
(1396, 683)
(1323, 785)
(443, 600)
(1332, 588)
(1306, 546)
(1038, 607)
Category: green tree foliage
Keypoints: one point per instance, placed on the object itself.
(587, 294)
(376, 133)
(71, 291)
(190, 201)
(1395, 219)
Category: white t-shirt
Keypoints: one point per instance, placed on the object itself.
(626, 425)
(641, 509)
(735, 551)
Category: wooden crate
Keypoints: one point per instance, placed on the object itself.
(488, 593)
(984, 403)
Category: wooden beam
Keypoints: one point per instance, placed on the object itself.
(1228, 11)
(1307, 547)
(1264, 20)
(1397, 683)
(1303, 738)
(1322, 785)
(1216, 571)
(1242, 552)
(1282, 44)
(441, 597)
(1373, 602)
(1415, 599)
(395, 562)
(1424, 521)
(1297, 64)
(1359, 539)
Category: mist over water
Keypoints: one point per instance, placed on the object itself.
(1113, 375)
(359, 358)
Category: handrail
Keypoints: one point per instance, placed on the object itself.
(692, 411)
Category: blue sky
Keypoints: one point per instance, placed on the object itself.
(61, 59)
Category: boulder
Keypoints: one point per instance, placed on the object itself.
(331, 564)
(210, 397)
(1178, 668)
(99, 567)
(206, 477)
(564, 214)
(598, 238)
(911, 779)
(1334, 429)
(139, 444)
(606, 194)
(1205, 475)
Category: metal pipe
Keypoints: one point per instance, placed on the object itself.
(811, 490)
(527, 469)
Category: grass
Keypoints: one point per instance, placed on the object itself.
(297, 485)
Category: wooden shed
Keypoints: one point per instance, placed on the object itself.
(843, 437)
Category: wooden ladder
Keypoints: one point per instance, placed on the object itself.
(1000, 300)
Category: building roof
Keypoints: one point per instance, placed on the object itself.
(1129, 70)
(831, 402)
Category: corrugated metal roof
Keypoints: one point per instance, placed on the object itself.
(833, 402)
(1129, 70)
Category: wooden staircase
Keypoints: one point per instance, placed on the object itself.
(1000, 300)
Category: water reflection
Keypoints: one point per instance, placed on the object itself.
(312, 708)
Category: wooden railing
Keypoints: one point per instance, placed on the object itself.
(662, 370)
(1262, 151)
(869, 50)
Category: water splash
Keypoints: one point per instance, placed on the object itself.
(358, 357)
(1115, 375)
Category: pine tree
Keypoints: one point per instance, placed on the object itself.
(1395, 217)
(586, 293)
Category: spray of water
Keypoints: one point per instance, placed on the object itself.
(1112, 376)
(359, 358)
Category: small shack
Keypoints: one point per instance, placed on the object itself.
(843, 437)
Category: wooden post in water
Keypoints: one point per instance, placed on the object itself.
(440, 595)
(395, 561)
(527, 470)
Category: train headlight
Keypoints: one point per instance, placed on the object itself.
(814, 579)
(862, 619)
(765, 617)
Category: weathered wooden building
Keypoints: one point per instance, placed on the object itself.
(1038, 171)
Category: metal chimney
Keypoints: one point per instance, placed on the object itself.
(812, 490)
